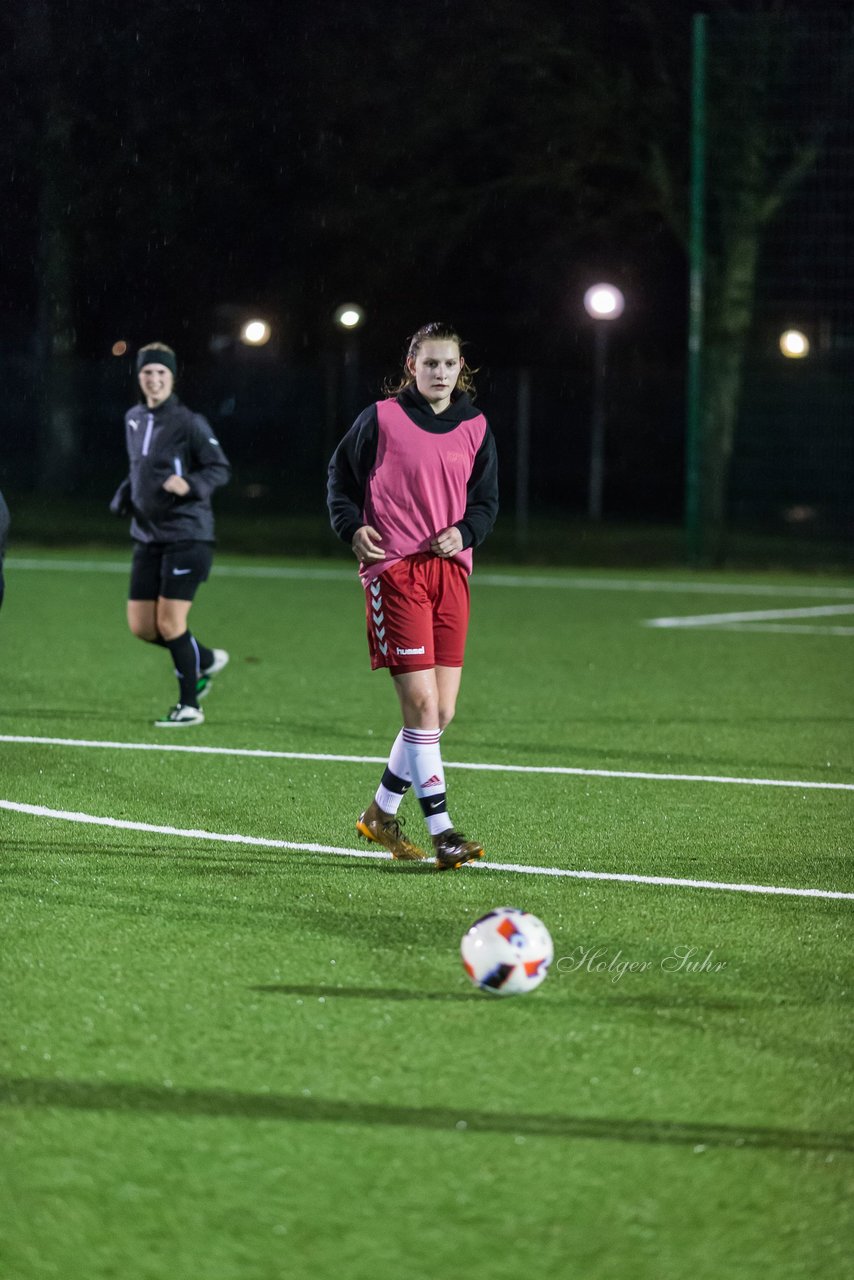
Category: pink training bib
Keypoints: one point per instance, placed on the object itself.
(418, 484)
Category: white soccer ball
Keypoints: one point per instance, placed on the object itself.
(507, 951)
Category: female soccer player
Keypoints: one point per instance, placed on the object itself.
(413, 488)
(176, 462)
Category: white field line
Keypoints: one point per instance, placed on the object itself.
(88, 819)
(558, 770)
(227, 571)
(784, 628)
(755, 617)
(567, 583)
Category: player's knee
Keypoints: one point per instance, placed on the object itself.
(169, 629)
(446, 715)
(142, 630)
(420, 710)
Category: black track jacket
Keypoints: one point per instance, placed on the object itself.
(170, 440)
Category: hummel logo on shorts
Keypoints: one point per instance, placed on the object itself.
(406, 651)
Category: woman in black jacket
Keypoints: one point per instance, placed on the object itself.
(176, 463)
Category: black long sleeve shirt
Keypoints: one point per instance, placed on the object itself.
(354, 458)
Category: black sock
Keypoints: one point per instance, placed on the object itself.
(205, 655)
(185, 655)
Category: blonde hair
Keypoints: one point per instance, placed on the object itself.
(157, 346)
(435, 331)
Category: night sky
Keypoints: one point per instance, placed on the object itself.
(449, 160)
(172, 166)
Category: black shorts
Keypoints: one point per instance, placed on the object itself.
(174, 570)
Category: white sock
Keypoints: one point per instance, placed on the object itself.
(428, 776)
(396, 780)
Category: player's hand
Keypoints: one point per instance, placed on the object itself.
(447, 543)
(121, 504)
(367, 545)
(177, 485)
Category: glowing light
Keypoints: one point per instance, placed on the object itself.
(604, 302)
(794, 344)
(349, 316)
(119, 348)
(255, 333)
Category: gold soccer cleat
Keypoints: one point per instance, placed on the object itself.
(384, 829)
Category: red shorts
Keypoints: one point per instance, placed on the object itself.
(418, 614)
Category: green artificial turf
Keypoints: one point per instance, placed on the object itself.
(232, 1061)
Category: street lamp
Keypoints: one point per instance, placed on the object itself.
(255, 333)
(603, 303)
(236, 327)
(794, 344)
(349, 318)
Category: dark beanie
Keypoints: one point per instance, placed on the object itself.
(156, 355)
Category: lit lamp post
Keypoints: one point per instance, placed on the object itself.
(794, 345)
(349, 318)
(255, 333)
(603, 303)
(236, 327)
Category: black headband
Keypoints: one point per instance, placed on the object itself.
(155, 355)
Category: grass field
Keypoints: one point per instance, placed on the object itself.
(236, 1046)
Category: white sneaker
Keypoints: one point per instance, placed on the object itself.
(220, 661)
(178, 717)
